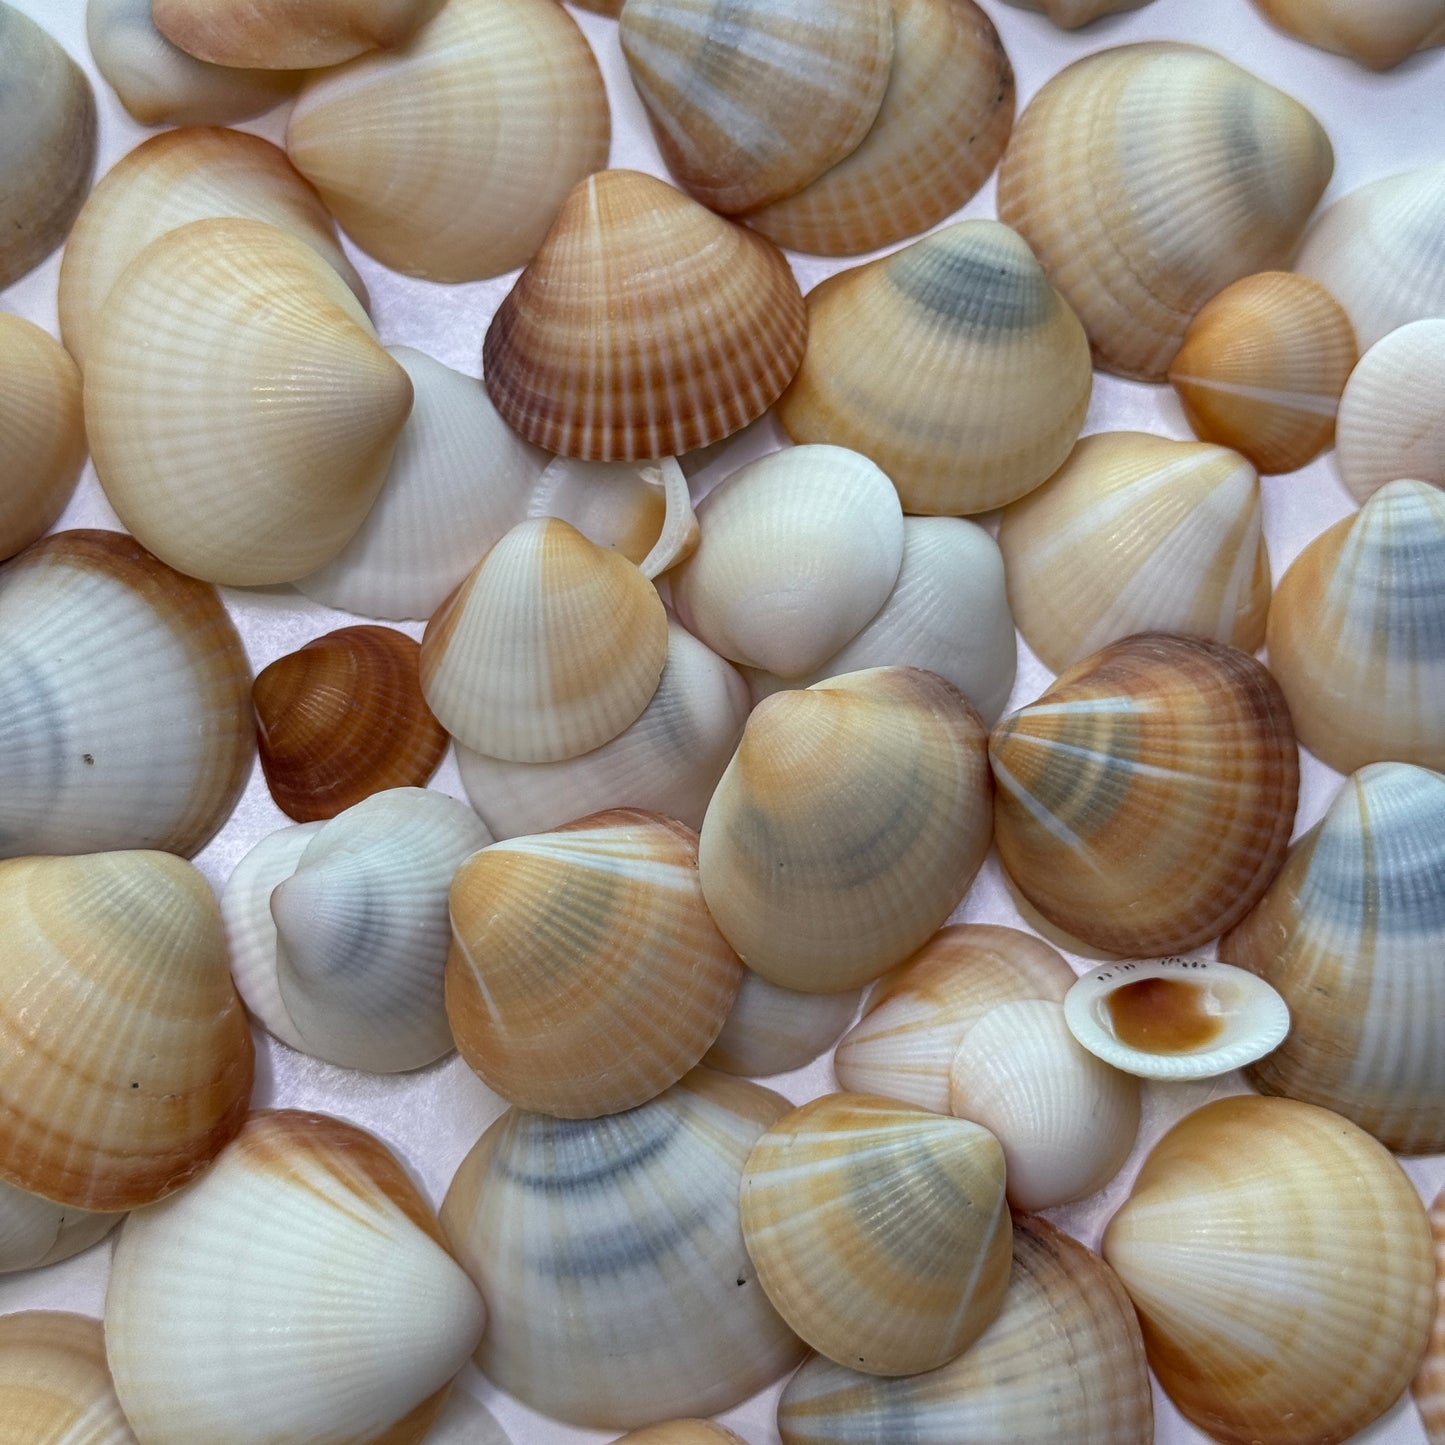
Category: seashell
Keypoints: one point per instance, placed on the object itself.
(127, 1062)
(305, 1276)
(879, 1232)
(1062, 1364)
(1376, 34)
(55, 1387)
(1352, 933)
(342, 718)
(668, 761)
(1281, 1265)
(1070, 14)
(1428, 1386)
(991, 369)
(772, 1030)
(234, 487)
(449, 159)
(168, 181)
(750, 102)
(942, 126)
(1137, 533)
(36, 1232)
(681, 1432)
(1148, 177)
(42, 432)
(1392, 423)
(848, 825)
(1145, 801)
(549, 648)
(1066, 1121)
(159, 84)
(644, 326)
(570, 1226)
(125, 699)
(1354, 633)
(904, 1045)
(464, 1420)
(1262, 368)
(586, 975)
(799, 550)
(47, 143)
(459, 478)
(601, 7)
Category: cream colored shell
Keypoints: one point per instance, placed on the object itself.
(55, 1387)
(1428, 1386)
(771, 1030)
(1070, 14)
(1377, 33)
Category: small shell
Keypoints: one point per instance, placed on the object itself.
(772, 1030)
(1070, 14)
(36, 1232)
(55, 1387)
(1428, 1386)
(681, 1432)
(1377, 33)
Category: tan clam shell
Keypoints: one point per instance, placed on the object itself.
(645, 326)
(681, 1432)
(1428, 1386)
(1070, 14)
(1145, 801)
(55, 1386)
(987, 369)
(1136, 533)
(1148, 177)
(1377, 33)
(1281, 1264)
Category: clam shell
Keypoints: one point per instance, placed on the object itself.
(1355, 633)
(55, 1387)
(771, 1030)
(449, 159)
(681, 1432)
(1428, 1386)
(644, 326)
(1070, 14)
(987, 370)
(1281, 1265)
(1136, 533)
(35, 1232)
(1379, 34)
(1148, 177)
(1144, 803)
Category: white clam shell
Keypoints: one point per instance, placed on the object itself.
(35, 1232)
(772, 1029)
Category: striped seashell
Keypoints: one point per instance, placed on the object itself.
(1380, 33)
(772, 1030)
(1428, 1386)
(35, 1232)
(1070, 14)
(681, 1432)
(55, 1386)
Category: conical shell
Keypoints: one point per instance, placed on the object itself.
(848, 825)
(771, 1030)
(1144, 803)
(55, 1387)
(550, 647)
(1282, 1268)
(1148, 177)
(610, 1252)
(284, 441)
(985, 374)
(1136, 533)
(300, 1291)
(35, 1232)
(1352, 933)
(1355, 633)
(682, 1432)
(645, 326)
(127, 1062)
(879, 1232)
(1428, 1386)
(1377, 33)
(1070, 14)
(449, 159)
(1262, 368)
(1063, 1364)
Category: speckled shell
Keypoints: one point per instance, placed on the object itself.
(55, 1387)
(1428, 1386)
(1070, 14)
(36, 1232)
(771, 1030)
(1377, 33)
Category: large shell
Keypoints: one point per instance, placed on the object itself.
(1355, 633)
(1281, 1264)
(1428, 1386)
(1070, 14)
(1148, 177)
(35, 1232)
(1377, 33)
(645, 326)
(952, 363)
(55, 1387)
(1144, 803)
(449, 159)
(770, 1030)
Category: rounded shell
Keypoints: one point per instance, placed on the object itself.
(55, 1386)
(1377, 33)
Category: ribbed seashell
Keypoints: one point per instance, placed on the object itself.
(1377, 33)
(1066, 1121)
(35, 1232)
(125, 699)
(1392, 419)
(848, 825)
(750, 102)
(127, 1062)
(1070, 14)
(681, 1432)
(1063, 1364)
(1281, 1264)
(644, 326)
(343, 717)
(1356, 633)
(42, 432)
(942, 126)
(952, 363)
(55, 1387)
(879, 1231)
(449, 159)
(771, 1030)
(1352, 933)
(1262, 368)
(610, 1252)
(300, 1291)
(1428, 1386)
(47, 143)
(904, 1045)
(1147, 178)
(1137, 533)
(586, 974)
(1145, 801)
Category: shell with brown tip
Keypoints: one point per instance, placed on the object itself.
(55, 1386)
(1377, 33)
